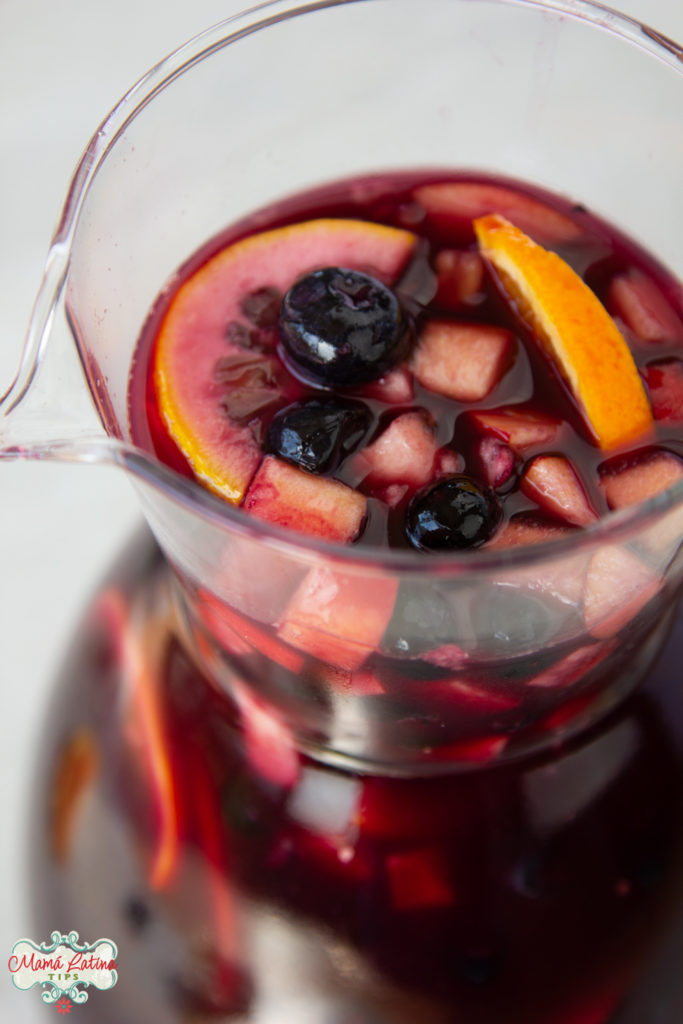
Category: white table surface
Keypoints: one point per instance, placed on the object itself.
(62, 66)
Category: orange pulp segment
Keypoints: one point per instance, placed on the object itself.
(574, 328)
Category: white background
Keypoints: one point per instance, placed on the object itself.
(63, 65)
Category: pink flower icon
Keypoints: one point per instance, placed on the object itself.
(63, 1005)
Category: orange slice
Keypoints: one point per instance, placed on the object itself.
(574, 328)
(208, 386)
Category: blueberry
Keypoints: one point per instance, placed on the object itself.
(452, 514)
(513, 620)
(318, 435)
(421, 621)
(341, 327)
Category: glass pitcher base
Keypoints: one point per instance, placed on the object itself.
(247, 883)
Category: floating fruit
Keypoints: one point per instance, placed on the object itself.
(452, 514)
(338, 617)
(340, 327)
(214, 360)
(320, 507)
(575, 330)
(403, 453)
(637, 300)
(618, 585)
(462, 361)
(517, 427)
(455, 204)
(317, 435)
(640, 478)
(553, 483)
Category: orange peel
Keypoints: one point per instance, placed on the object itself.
(574, 328)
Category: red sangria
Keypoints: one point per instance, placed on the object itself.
(243, 881)
(393, 363)
(400, 336)
(390, 731)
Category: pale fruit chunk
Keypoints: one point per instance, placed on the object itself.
(518, 428)
(649, 475)
(617, 587)
(574, 329)
(403, 453)
(462, 361)
(460, 276)
(665, 384)
(560, 578)
(287, 496)
(637, 300)
(461, 202)
(211, 311)
(552, 482)
(525, 528)
(339, 617)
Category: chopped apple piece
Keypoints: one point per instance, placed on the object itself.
(517, 427)
(524, 528)
(338, 617)
(287, 496)
(637, 300)
(462, 361)
(456, 204)
(641, 479)
(551, 481)
(403, 453)
(618, 585)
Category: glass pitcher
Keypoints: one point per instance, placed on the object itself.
(278, 809)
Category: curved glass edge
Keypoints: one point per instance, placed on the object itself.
(613, 527)
(604, 16)
(237, 26)
(620, 526)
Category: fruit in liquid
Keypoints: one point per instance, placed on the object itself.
(445, 418)
(547, 891)
(476, 673)
(251, 883)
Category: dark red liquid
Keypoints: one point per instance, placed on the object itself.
(544, 892)
(600, 253)
(451, 674)
(245, 881)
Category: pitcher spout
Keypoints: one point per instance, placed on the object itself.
(47, 412)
